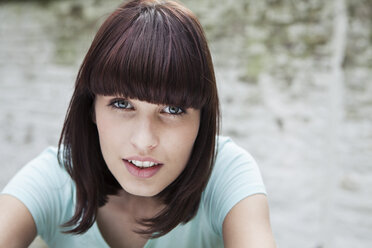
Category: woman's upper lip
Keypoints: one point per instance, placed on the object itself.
(142, 159)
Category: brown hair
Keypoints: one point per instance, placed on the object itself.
(154, 51)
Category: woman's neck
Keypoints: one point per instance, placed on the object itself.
(117, 219)
(137, 206)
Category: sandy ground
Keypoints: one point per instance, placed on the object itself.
(312, 139)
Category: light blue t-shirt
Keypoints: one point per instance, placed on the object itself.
(49, 194)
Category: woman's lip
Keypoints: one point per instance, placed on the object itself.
(141, 172)
(142, 159)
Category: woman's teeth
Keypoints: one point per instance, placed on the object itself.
(142, 164)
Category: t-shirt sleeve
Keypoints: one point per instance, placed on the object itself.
(235, 176)
(38, 185)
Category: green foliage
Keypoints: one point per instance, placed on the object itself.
(360, 34)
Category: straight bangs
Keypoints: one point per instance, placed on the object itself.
(156, 56)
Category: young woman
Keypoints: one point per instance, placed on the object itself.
(139, 162)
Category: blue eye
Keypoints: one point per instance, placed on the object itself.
(173, 110)
(121, 104)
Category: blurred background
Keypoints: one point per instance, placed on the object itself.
(294, 79)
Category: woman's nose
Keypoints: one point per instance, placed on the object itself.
(144, 136)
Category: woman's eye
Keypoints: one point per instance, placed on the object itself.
(121, 104)
(173, 110)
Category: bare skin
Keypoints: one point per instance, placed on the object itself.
(17, 227)
(117, 219)
(248, 224)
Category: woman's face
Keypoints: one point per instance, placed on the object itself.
(145, 146)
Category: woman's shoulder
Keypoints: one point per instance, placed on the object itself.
(47, 191)
(47, 168)
(227, 149)
(41, 178)
(235, 175)
(233, 162)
